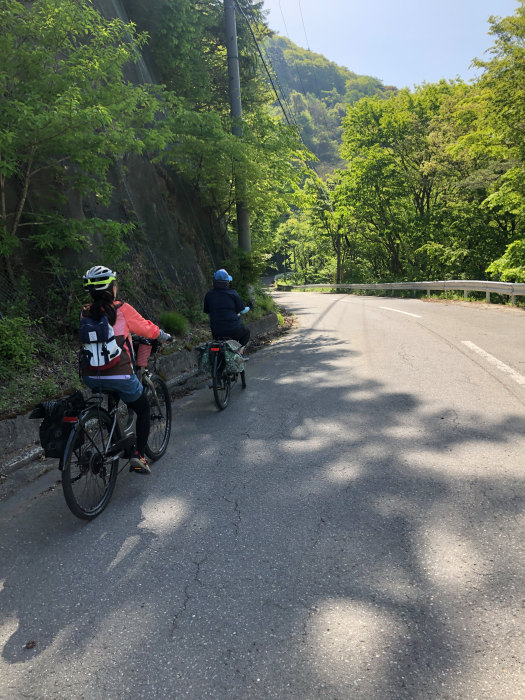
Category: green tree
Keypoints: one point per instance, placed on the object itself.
(325, 219)
(306, 256)
(498, 132)
(410, 193)
(66, 116)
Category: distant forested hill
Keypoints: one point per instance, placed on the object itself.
(318, 92)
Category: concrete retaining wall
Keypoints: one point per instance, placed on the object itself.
(19, 436)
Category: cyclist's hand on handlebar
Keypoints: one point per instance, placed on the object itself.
(163, 337)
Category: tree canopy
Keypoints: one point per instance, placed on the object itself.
(66, 116)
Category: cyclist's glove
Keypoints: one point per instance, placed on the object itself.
(163, 337)
(245, 310)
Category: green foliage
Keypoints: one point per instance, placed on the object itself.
(173, 322)
(434, 185)
(67, 115)
(246, 270)
(263, 305)
(511, 266)
(264, 167)
(409, 196)
(17, 348)
(501, 112)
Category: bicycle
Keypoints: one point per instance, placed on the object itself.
(225, 363)
(101, 436)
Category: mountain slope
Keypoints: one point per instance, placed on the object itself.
(318, 93)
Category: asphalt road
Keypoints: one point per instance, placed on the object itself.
(350, 527)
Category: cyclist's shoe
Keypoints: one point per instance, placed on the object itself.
(139, 464)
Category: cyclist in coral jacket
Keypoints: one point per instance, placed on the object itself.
(101, 282)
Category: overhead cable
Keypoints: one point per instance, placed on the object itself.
(263, 61)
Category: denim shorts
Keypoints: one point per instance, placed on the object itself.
(129, 389)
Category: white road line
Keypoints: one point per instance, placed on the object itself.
(519, 378)
(387, 308)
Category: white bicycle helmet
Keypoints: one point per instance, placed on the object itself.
(99, 278)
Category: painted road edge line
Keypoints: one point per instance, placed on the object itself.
(519, 378)
(387, 308)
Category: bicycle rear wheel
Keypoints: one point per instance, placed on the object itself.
(88, 473)
(221, 382)
(160, 417)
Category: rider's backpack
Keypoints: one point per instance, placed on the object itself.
(100, 348)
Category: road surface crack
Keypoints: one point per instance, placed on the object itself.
(237, 515)
(187, 594)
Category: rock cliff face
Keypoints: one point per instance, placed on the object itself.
(182, 241)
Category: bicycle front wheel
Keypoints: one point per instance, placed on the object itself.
(221, 383)
(159, 400)
(88, 473)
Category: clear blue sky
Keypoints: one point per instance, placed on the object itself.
(401, 42)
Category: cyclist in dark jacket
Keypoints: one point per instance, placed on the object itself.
(224, 307)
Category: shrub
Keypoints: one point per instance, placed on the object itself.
(16, 346)
(265, 302)
(174, 323)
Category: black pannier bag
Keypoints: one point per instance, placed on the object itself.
(55, 428)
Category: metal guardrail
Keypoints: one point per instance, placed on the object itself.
(508, 288)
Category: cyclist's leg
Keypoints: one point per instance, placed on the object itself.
(242, 336)
(130, 391)
(138, 403)
(142, 409)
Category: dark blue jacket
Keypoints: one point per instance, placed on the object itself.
(223, 306)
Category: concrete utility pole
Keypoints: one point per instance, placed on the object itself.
(234, 80)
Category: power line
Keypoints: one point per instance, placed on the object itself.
(259, 50)
(297, 72)
(284, 21)
(285, 96)
(288, 35)
(313, 74)
(304, 28)
(263, 61)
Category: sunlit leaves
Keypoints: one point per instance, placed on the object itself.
(67, 113)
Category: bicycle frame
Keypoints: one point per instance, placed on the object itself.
(222, 378)
(125, 430)
(103, 433)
